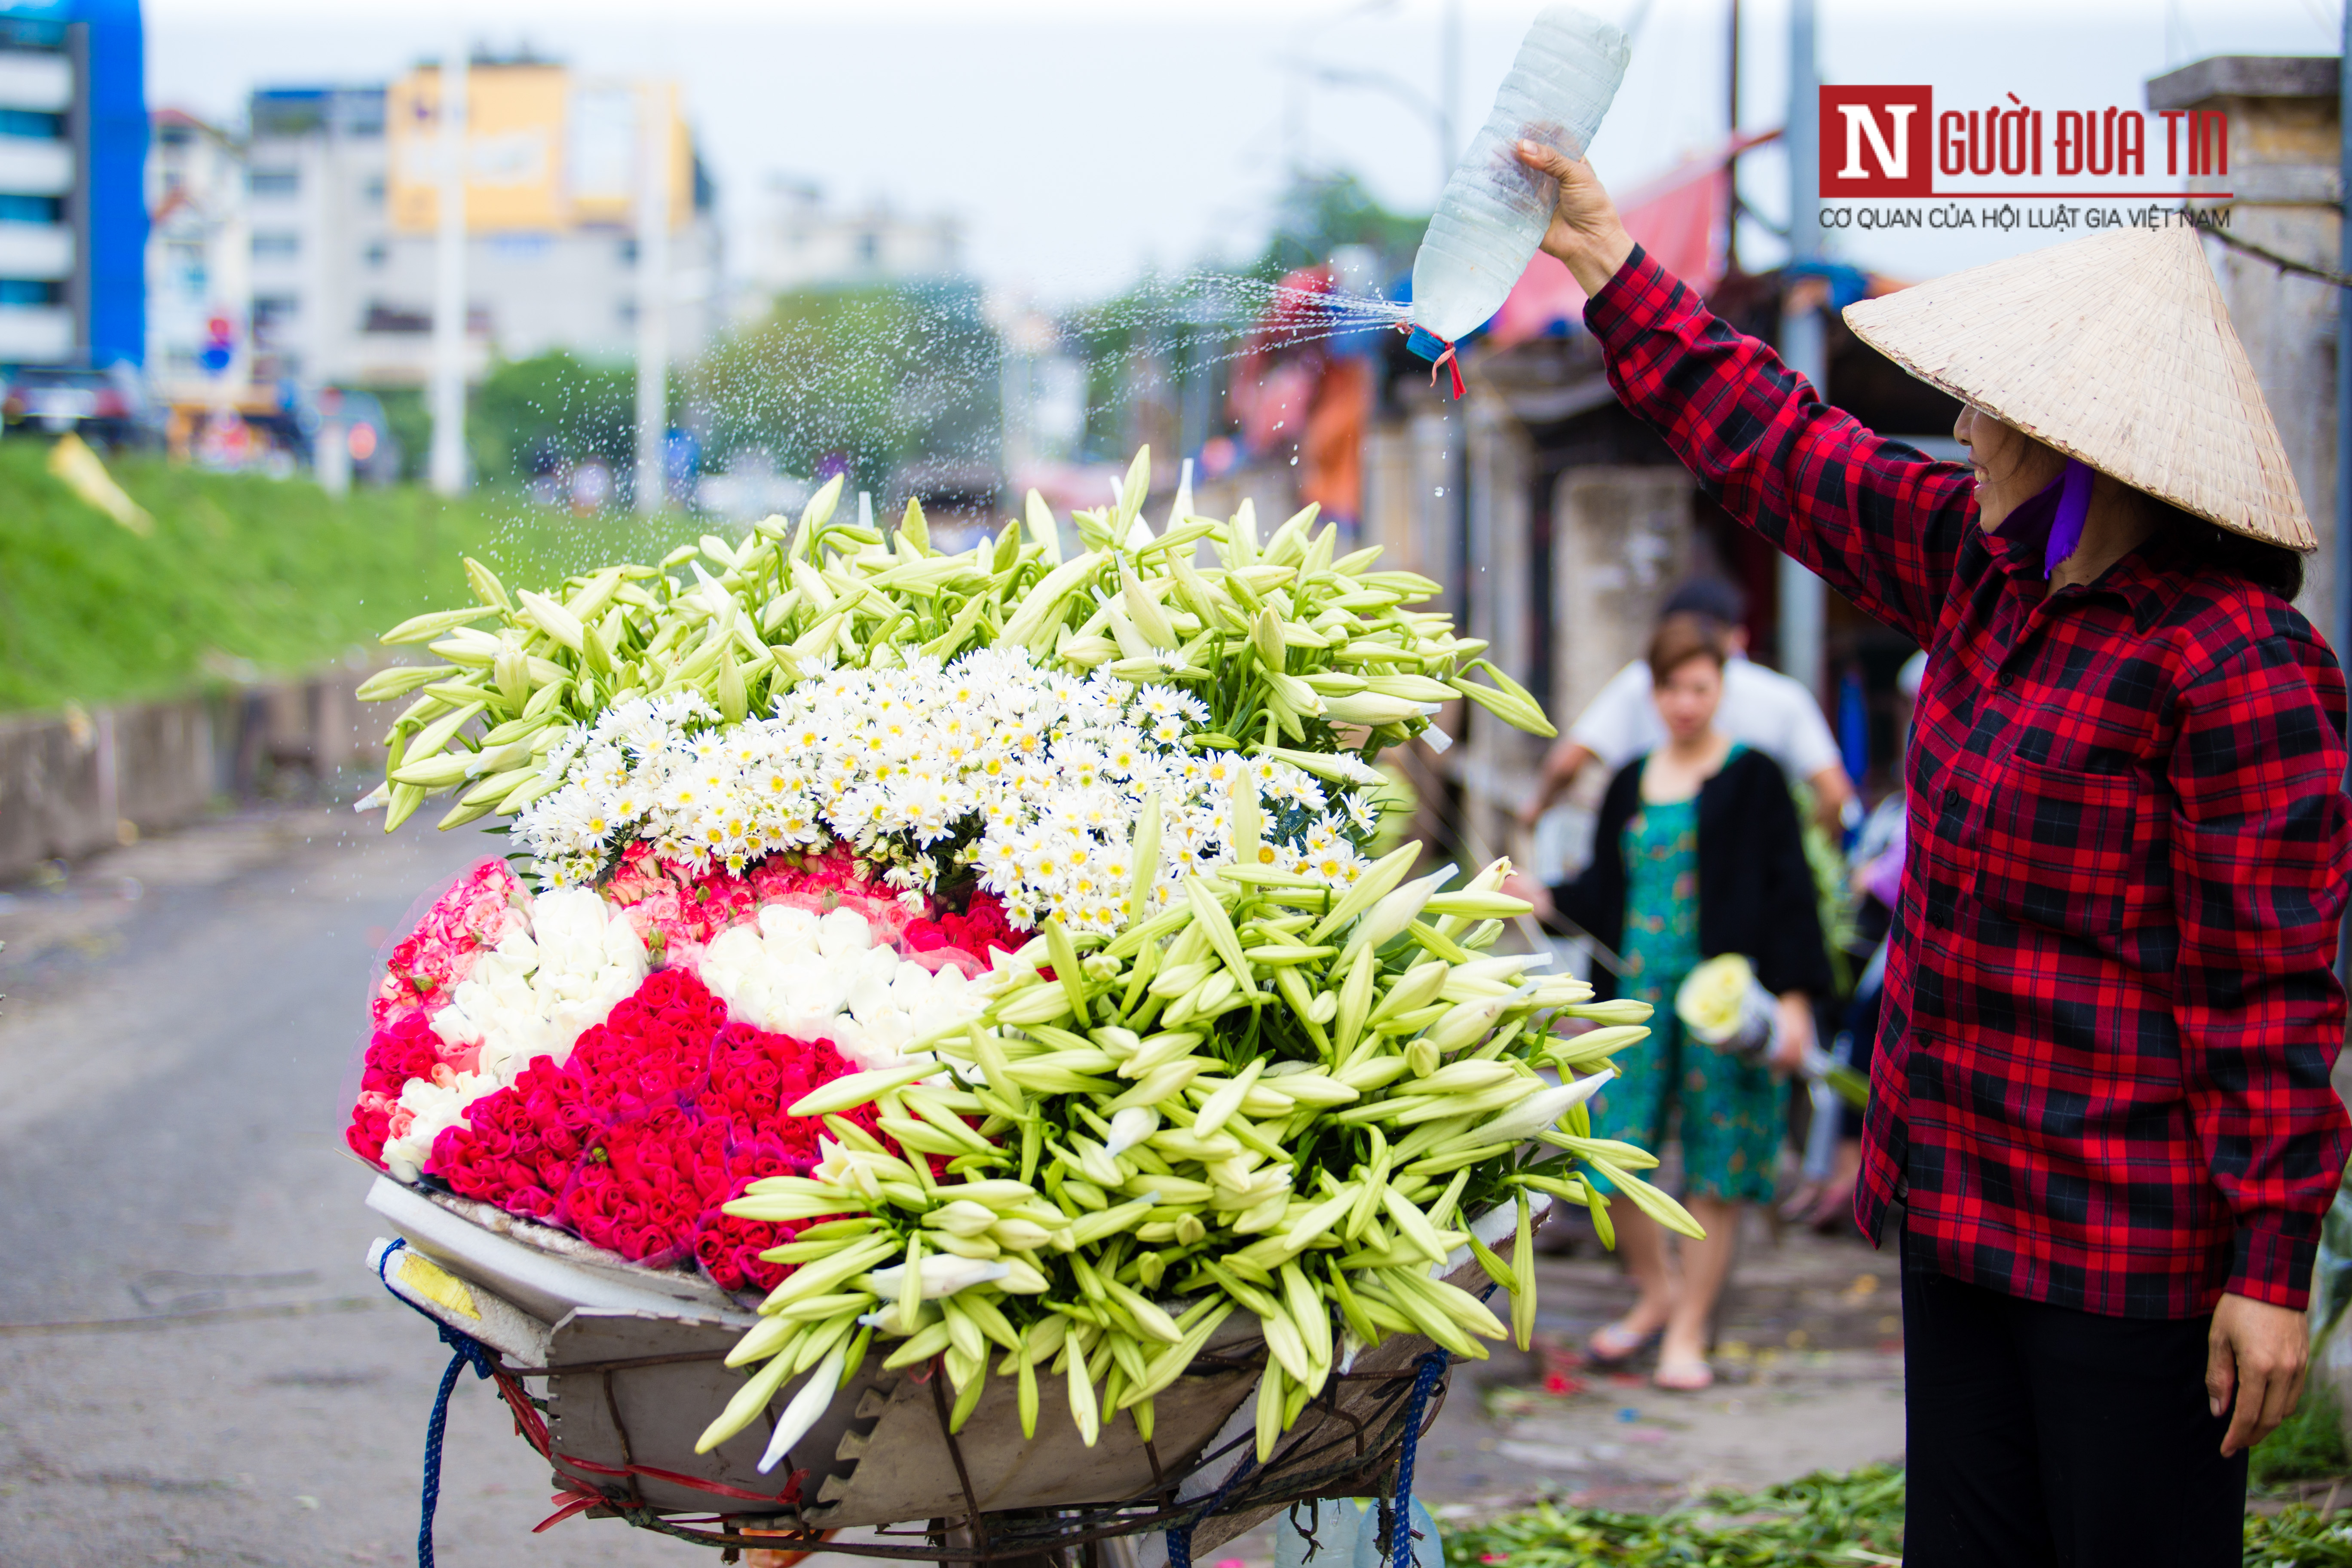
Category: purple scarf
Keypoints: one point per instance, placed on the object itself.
(2074, 505)
(2050, 521)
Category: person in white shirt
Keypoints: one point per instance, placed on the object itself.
(1764, 708)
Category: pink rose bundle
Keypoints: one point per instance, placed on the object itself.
(477, 913)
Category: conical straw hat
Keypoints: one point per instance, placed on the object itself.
(2116, 350)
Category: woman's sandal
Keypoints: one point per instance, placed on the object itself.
(1684, 1376)
(1612, 1343)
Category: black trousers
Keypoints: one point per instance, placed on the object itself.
(2040, 1435)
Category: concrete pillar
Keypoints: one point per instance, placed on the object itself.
(333, 723)
(2284, 183)
(1621, 541)
(1435, 433)
(1412, 498)
(1389, 499)
(1499, 766)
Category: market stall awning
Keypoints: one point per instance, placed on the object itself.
(1683, 218)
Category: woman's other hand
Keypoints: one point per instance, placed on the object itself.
(1796, 1036)
(1585, 232)
(1566, 759)
(1519, 885)
(2258, 1356)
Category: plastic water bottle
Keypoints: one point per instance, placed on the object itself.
(1496, 209)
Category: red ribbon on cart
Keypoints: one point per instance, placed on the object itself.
(785, 1498)
(532, 1427)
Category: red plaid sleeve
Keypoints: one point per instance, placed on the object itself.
(1876, 519)
(2260, 852)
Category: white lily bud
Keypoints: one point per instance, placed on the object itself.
(943, 1274)
(1396, 912)
(1370, 707)
(1469, 1021)
(1131, 1127)
(1623, 1011)
(806, 1406)
(1537, 1112)
(961, 1217)
(885, 1320)
(1021, 1278)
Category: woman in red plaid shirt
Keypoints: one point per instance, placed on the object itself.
(2100, 1117)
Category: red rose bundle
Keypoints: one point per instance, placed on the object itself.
(665, 1111)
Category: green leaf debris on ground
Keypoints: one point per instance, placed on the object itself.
(1813, 1522)
(2307, 1446)
(1821, 1520)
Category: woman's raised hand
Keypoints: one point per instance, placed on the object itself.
(1585, 232)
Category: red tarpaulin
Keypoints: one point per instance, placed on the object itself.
(1683, 218)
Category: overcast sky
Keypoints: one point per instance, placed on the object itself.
(1082, 142)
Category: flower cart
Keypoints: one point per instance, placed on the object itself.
(959, 1057)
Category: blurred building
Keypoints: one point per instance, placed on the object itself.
(800, 241)
(199, 293)
(73, 217)
(318, 238)
(344, 188)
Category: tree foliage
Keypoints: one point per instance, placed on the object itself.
(1318, 213)
(877, 379)
(552, 408)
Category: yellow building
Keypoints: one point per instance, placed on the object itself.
(342, 197)
(546, 151)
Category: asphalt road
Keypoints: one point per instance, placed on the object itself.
(196, 1366)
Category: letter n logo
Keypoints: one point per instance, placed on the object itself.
(1876, 142)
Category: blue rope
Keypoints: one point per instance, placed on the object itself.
(467, 1350)
(1427, 1369)
(1179, 1540)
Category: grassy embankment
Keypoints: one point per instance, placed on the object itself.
(245, 576)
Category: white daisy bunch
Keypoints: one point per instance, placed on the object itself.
(1033, 779)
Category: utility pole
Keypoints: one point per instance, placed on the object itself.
(653, 152)
(1731, 133)
(1449, 90)
(447, 468)
(2342, 564)
(1801, 345)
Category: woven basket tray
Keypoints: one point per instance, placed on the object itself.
(631, 1360)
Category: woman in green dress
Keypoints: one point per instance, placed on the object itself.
(1698, 852)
